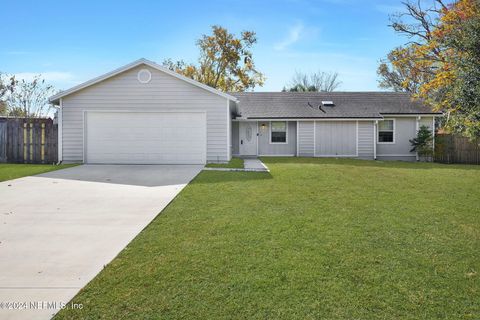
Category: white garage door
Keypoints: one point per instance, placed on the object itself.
(145, 138)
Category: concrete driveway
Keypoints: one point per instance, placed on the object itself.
(59, 229)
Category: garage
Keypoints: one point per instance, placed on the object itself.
(143, 113)
(122, 137)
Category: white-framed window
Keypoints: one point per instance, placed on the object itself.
(278, 132)
(386, 131)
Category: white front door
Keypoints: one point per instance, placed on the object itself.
(248, 138)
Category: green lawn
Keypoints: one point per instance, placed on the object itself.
(235, 163)
(10, 171)
(312, 239)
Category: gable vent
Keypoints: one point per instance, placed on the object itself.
(144, 76)
(328, 103)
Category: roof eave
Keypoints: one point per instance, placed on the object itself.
(307, 118)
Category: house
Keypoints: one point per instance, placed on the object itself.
(144, 113)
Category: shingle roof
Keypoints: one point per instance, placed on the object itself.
(289, 105)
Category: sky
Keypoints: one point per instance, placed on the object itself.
(70, 42)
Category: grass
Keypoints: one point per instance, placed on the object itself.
(235, 163)
(314, 239)
(10, 171)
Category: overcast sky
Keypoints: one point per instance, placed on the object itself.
(73, 41)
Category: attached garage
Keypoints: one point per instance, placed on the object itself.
(145, 137)
(143, 113)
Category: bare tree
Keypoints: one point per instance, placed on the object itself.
(30, 98)
(7, 86)
(315, 82)
(401, 71)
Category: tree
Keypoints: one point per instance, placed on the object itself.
(439, 63)
(400, 77)
(30, 98)
(423, 143)
(465, 87)
(315, 82)
(225, 61)
(7, 86)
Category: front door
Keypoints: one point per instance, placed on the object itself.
(248, 138)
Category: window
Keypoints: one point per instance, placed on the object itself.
(278, 132)
(386, 131)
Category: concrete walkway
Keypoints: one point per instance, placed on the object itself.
(58, 230)
(254, 165)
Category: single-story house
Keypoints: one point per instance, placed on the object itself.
(144, 113)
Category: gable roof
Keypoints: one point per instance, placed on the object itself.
(56, 98)
(303, 105)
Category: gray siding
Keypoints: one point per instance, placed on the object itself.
(366, 139)
(162, 93)
(306, 139)
(405, 129)
(267, 148)
(235, 138)
(335, 138)
(426, 121)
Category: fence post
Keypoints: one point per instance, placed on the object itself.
(24, 142)
(42, 142)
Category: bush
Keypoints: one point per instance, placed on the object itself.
(423, 143)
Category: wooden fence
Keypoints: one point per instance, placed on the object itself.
(28, 140)
(456, 149)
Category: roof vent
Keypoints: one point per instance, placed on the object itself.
(328, 103)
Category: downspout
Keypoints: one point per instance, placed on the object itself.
(59, 117)
(417, 122)
(375, 139)
(297, 138)
(433, 138)
(60, 133)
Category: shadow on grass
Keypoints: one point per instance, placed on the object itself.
(229, 176)
(368, 163)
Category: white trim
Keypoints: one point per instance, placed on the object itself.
(297, 138)
(84, 137)
(314, 138)
(229, 133)
(134, 64)
(433, 136)
(375, 123)
(396, 155)
(417, 127)
(60, 132)
(85, 125)
(257, 137)
(308, 119)
(270, 133)
(148, 111)
(394, 132)
(412, 115)
(356, 151)
(337, 156)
